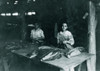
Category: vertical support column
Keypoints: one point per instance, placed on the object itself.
(91, 63)
(24, 27)
(5, 64)
(55, 30)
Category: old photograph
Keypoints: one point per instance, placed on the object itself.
(49, 35)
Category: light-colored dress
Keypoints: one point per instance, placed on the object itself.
(68, 37)
(65, 36)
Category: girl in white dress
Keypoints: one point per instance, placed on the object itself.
(65, 37)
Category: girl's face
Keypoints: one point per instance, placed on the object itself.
(64, 27)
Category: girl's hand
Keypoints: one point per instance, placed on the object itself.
(65, 42)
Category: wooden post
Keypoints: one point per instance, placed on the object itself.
(5, 64)
(91, 63)
(23, 26)
(1, 64)
(55, 30)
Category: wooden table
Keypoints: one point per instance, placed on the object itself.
(67, 63)
(63, 63)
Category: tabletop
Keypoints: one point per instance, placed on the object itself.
(62, 62)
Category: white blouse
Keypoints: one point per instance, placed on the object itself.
(65, 36)
(37, 34)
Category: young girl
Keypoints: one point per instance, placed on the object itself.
(65, 37)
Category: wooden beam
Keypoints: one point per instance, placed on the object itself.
(91, 63)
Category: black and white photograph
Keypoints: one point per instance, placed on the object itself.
(49, 35)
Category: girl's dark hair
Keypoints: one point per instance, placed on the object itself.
(60, 26)
(64, 23)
